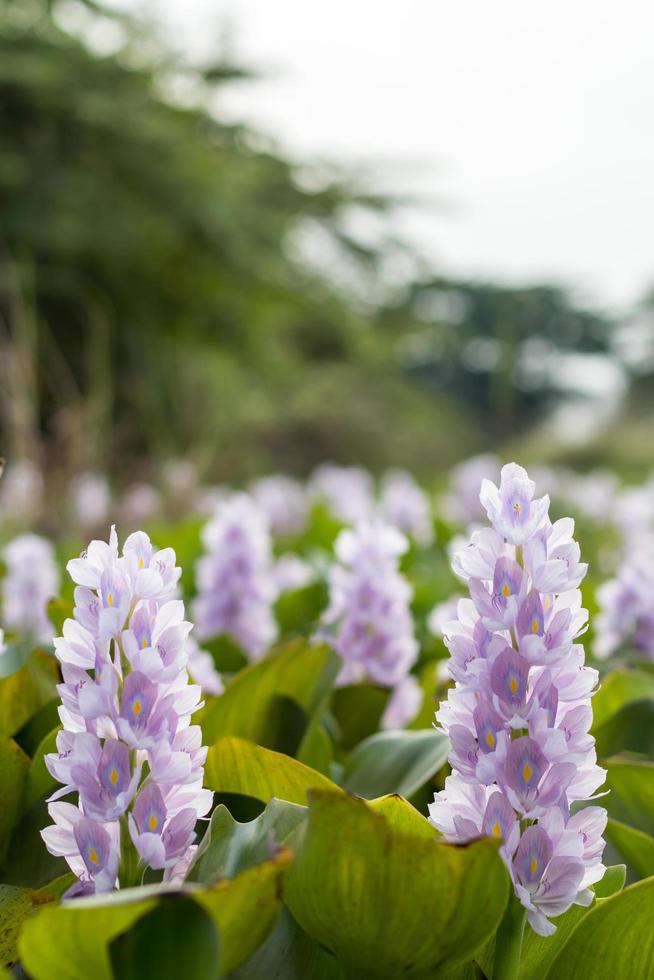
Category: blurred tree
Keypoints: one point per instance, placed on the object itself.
(157, 294)
(502, 351)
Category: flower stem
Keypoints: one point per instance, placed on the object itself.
(508, 942)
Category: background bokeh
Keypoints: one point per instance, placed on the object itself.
(174, 282)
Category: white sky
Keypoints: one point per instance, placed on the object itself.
(532, 122)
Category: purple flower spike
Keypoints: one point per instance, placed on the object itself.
(368, 621)
(127, 747)
(519, 714)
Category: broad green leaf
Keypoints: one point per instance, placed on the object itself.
(290, 954)
(401, 815)
(619, 688)
(70, 941)
(635, 846)
(258, 703)
(14, 765)
(316, 749)
(357, 710)
(235, 765)
(59, 610)
(612, 882)
(39, 725)
(39, 782)
(14, 656)
(229, 846)
(299, 609)
(615, 939)
(15, 906)
(245, 909)
(395, 762)
(631, 729)
(430, 685)
(390, 903)
(631, 797)
(28, 862)
(177, 938)
(228, 658)
(25, 692)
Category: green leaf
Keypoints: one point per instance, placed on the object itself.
(177, 938)
(612, 882)
(289, 954)
(631, 729)
(631, 799)
(25, 692)
(245, 909)
(620, 688)
(15, 905)
(635, 846)
(14, 765)
(299, 609)
(395, 762)
(235, 765)
(390, 903)
(357, 710)
(255, 704)
(70, 941)
(39, 725)
(401, 815)
(14, 656)
(59, 610)
(228, 658)
(615, 939)
(538, 952)
(229, 847)
(40, 783)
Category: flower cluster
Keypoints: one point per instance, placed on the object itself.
(519, 713)
(127, 747)
(406, 506)
(346, 490)
(284, 502)
(626, 614)
(32, 578)
(235, 586)
(368, 621)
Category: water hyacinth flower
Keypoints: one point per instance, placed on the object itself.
(127, 749)
(236, 590)
(31, 580)
(368, 621)
(346, 490)
(626, 613)
(21, 492)
(406, 506)
(284, 502)
(519, 714)
(91, 498)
